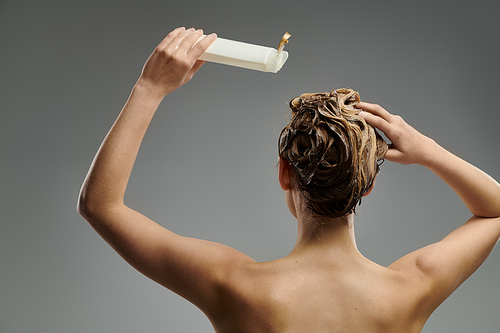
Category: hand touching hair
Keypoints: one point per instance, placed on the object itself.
(334, 153)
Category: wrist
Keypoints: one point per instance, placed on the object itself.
(149, 90)
(433, 153)
(143, 101)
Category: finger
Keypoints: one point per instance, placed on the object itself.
(176, 42)
(197, 65)
(393, 155)
(190, 39)
(200, 47)
(376, 121)
(171, 36)
(374, 109)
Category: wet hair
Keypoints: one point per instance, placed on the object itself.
(335, 155)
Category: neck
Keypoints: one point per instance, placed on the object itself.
(328, 235)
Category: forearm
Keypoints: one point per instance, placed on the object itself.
(109, 173)
(172, 64)
(479, 192)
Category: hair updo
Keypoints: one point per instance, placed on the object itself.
(334, 153)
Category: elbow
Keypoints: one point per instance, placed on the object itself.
(95, 205)
(83, 207)
(90, 208)
(96, 209)
(80, 206)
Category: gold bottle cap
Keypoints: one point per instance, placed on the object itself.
(283, 41)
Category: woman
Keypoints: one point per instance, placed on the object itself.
(324, 284)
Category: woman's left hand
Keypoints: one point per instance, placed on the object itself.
(174, 61)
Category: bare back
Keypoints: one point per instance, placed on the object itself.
(289, 295)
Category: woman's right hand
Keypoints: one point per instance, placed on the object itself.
(408, 145)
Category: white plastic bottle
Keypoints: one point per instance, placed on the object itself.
(239, 54)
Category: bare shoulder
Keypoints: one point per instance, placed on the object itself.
(302, 296)
(244, 297)
(425, 281)
(438, 269)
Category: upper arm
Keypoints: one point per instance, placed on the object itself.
(192, 268)
(445, 265)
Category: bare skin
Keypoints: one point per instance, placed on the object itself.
(325, 284)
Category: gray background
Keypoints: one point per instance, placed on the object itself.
(207, 165)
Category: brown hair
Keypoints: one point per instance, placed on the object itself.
(334, 153)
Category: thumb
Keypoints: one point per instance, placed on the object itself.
(394, 155)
